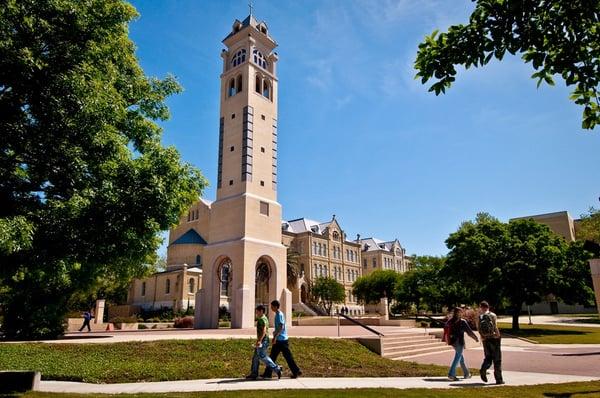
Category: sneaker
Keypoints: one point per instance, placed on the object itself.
(452, 378)
(296, 375)
(500, 382)
(251, 377)
(483, 375)
(278, 372)
(468, 376)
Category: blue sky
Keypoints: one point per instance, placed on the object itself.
(359, 137)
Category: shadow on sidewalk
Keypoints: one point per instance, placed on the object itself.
(581, 354)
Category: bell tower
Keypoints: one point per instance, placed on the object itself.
(245, 219)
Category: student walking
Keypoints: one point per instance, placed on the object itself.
(457, 327)
(281, 343)
(87, 317)
(261, 346)
(490, 337)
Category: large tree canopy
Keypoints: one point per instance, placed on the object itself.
(559, 38)
(85, 184)
(515, 263)
(329, 291)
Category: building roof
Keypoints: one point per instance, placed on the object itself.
(190, 237)
(374, 244)
(300, 225)
(248, 21)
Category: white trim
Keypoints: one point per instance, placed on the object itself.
(246, 239)
(250, 195)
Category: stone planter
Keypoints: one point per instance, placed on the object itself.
(595, 268)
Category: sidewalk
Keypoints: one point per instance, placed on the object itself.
(511, 378)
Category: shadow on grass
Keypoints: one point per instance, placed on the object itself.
(544, 332)
(570, 394)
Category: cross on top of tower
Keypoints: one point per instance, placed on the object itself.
(250, 6)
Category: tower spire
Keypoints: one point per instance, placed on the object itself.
(250, 7)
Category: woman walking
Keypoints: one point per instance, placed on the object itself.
(456, 338)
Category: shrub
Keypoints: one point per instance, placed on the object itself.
(185, 322)
(124, 319)
(142, 326)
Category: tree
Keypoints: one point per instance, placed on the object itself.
(516, 263)
(85, 184)
(589, 226)
(373, 287)
(293, 273)
(558, 38)
(328, 291)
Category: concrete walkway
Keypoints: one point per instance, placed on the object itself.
(563, 320)
(512, 379)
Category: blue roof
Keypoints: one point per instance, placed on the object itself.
(190, 237)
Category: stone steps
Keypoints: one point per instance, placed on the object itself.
(407, 345)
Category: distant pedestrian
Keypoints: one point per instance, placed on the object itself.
(87, 317)
(281, 343)
(490, 337)
(457, 327)
(261, 346)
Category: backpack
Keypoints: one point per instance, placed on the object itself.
(486, 326)
(449, 333)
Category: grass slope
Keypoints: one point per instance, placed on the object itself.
(570, 390)
(554, 334)
(196, 359)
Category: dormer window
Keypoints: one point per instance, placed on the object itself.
(259, 59)
(239, 58)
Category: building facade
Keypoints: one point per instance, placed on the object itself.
(378, 254)
(323, 251)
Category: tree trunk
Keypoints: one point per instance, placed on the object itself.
(515, 317)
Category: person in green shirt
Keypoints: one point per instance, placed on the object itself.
(261, 346)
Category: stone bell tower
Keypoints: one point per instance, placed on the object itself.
(245, 261)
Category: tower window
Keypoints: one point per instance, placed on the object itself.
(259, 59)
(230, 182)
(258, 85)
(266, 89)
(264, 208)
(262, 183)
(238, 85)
(231, 90)
(231, 149)
(233, 115)
(239, 58)
(262, 117)
(262, 149)
(168, 286)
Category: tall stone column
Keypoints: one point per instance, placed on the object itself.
(99, 311)
(595, 268)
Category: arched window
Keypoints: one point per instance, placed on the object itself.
(258, 85)
(259, 59)
(231, 91)
(198, 260)
(266, 89)
(316, 271)
(336, 236)
(143, 288)
(238, 85)
(168, 286)
(239, 58)
(192, 285)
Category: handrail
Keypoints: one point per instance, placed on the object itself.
(361, 324)
(433, 320)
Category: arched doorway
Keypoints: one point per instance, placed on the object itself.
(261, 290)
(303, 294)
(224, 277)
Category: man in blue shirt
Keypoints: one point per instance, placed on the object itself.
(281, 343)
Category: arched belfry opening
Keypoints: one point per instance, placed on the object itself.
(261, 285)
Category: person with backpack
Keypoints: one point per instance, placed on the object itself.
(490, 337)
(87, 317)
(454, 333)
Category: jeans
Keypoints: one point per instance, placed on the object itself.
(282, 346)
(260, 354)
(86, 322)
(458, 357)
(491, 349)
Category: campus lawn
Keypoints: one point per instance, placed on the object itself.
(571, 390)
(196, 359)
(555, 334)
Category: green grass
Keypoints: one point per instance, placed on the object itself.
(196, 359)
(554, 334)
(569, 390)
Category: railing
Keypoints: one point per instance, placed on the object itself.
(433, 320)
(356, 322)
